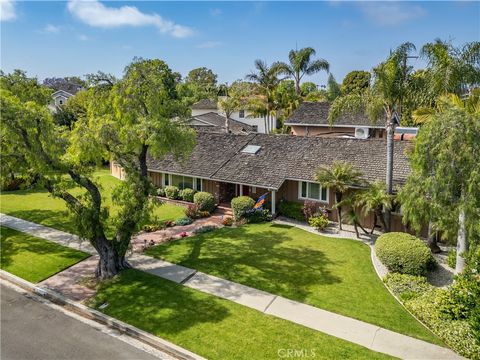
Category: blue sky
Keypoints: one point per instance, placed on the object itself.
(65, 38)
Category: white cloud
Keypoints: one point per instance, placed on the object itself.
(391, 13)
(82, 37)
(94, 13)
(7, 10)
(52, 29)
(209, 45)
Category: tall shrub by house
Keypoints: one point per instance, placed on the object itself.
(240, 206)
(205, 201)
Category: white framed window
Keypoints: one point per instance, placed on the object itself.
(312, 191)
(182, 182)
(253, 189)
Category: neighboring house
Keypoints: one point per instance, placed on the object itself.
(229, 165)
(60, 97)
(242, 115)
(213, 122)
(311, 119)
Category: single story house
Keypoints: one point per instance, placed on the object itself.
(242, 115)
(213, 122)
(229, 165)
(311, 119)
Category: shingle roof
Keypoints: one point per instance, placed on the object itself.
(213, 122)
(204, 104)
(316, 114)
(282, 157)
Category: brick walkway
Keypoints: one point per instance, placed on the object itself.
(157, 237)
(67, 281)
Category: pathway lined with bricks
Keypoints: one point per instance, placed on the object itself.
(370, 336)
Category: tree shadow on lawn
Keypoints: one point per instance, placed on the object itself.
(157, 305)
(11, 246)
(259, 260)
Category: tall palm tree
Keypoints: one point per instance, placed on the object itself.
(373, 200)
(339, 177)
(300, 64)
(452, 69)
(382, 101)
(266, 78)
(228, 105)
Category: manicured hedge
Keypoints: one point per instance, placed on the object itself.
(205, 201)
(172, 192)
(240, 205)
(407, 286)
(291, 209)
(187, 194)
(404, 253)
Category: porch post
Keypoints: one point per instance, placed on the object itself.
(273, 202)
(241, 189)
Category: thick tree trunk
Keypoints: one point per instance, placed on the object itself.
(355, 226)
(389, 172)
(432, 239)
(462, 243)
(111, 262)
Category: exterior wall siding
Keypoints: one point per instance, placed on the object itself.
(305, 130)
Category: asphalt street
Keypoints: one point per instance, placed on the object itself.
(34, 330)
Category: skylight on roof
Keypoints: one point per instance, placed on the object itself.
(251, 149)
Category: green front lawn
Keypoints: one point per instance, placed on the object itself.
(38, 206)
(34, 259)
(213, 327)
(332, 274)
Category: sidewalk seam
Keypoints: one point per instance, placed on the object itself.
(270, 303)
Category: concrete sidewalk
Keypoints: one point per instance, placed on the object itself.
(370, 336)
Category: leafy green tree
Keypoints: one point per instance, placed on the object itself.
(25, 88)
(124, 122)
(202, 77)
(443, 186)
(301, 64)
(355, 82)
(266, 79)
(307, 87)
(334, 89)
(74, 108)
(339, 177)
(383, 101)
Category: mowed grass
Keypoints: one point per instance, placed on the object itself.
(329, 273)
(213, 327)
(40, 207)
(34, 259)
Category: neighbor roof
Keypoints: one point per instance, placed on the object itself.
(204, 104)
(282, 157)
(316, 114)
(213, 122)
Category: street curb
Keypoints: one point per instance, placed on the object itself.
(80, 309)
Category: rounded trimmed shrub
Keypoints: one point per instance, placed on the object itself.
(404, 253)
(318, 222)
(240, 205)
(187, 194)
(171, 192)
(205, 201)
(161, 192)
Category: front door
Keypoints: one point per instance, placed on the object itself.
(227, 192)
